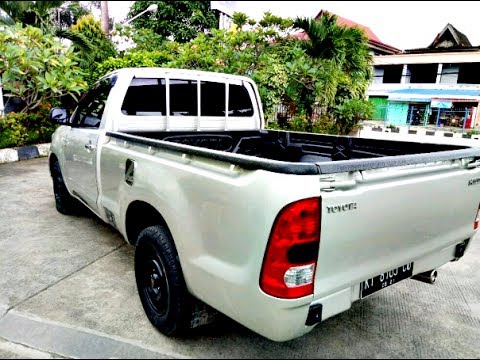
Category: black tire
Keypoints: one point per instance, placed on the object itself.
(160, 282)
(64, 202)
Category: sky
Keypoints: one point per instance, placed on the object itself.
(402, 24)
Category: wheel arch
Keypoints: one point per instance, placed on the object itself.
(140, 215)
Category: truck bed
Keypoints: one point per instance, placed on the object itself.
(299, 153)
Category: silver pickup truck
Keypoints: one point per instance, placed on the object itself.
(277, 230)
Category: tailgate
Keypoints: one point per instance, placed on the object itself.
(387, 218)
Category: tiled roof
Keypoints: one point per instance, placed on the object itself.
(373, 39)
(460, 38)
(349, 23)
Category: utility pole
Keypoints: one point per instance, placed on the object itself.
(104, 18)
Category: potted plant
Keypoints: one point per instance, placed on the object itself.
(469, 134)
(393, 128)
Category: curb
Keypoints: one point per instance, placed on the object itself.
(23, 153)
(420, 131)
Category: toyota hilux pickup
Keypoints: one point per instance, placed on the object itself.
(277, 230)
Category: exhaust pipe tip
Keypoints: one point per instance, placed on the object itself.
(428, 277)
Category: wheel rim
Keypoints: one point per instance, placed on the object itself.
(154, 282)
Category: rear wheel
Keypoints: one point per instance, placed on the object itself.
(160, 282)
(64, 202)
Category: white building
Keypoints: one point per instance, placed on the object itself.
(437, 86)
(225, 11)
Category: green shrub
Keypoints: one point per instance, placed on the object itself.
(325, 124)
(20, 129)
(274, 125)
(350, 113)
(473, 132)
(300, 123)
(103, 48)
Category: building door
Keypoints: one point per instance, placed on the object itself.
(416, 114)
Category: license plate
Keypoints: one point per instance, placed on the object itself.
(386, 279)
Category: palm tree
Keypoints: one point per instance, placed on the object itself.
(346, 50)
(104, 17)
(345, 46)
(322, 36)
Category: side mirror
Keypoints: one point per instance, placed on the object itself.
(58, 115)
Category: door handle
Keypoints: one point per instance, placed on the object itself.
(89, 146)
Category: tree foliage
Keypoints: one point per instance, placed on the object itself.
(131, 59)
(36, 67)
(42, 13)
(182, 20)
(140, 39)
(88, 28)
(346, 47)
(321, 82)
(56, 18)
(35, 13)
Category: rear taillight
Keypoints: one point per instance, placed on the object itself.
(477, 219)
(290, 260)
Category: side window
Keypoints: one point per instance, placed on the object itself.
(212, 98)
(145, 97)
(90, 108)
(183, 97)
(239, 102)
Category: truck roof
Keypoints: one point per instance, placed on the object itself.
(160, 71)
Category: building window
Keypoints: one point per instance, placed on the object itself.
(378, 72)
(392, 74)
(423, 73)
(449, 74)
(469, 73)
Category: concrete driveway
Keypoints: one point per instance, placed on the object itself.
(67, 289)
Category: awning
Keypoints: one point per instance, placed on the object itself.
(408, 98)
(427, 95)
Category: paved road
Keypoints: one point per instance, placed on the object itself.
(67, 290)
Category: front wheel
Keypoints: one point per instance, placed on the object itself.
(160, 282)
(64, 202)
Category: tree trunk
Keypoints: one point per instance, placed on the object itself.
(105, 18)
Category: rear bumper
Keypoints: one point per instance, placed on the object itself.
(281, 322)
